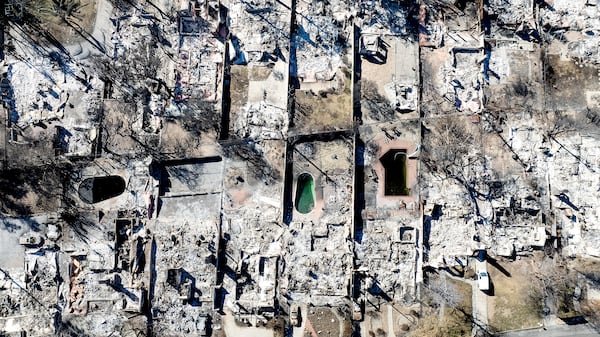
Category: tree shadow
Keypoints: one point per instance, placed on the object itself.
(565, 199)
(87, 36)
(18, 185)
(494, 263)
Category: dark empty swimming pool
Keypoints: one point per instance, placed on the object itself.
(96, 189)
(394, 163)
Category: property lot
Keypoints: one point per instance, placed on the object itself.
(511, 304)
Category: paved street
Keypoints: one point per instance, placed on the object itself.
(556, 331)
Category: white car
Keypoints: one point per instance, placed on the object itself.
(294, 313)
(31, 239)
(483, 280)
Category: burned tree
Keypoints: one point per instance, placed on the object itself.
(199, 116)
(555, 288)
(452, 150)
(139, 65)
(444, 293)
(449, 152)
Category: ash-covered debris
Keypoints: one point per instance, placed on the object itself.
(270, 168)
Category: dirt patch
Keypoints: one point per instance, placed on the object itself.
(512, 306)
(35, 147)
(68, 23)
(568, 82)
(432, 101)
(278, 326)
(260, 73)
(239, 87)
(273, 153)
(590, 305)
(502, 159)
(238, 197)
(587, 266)
(179, 142)
(324, 322)
(325, 110)
(117, 129)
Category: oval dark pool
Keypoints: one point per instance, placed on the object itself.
(96, 189)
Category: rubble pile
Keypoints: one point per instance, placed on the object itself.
(386, 247)
(262, 120)
(186, 274)
(576, 24)
(568, 15)
(320, 41)
(259, 59)
(388, 258)
(464, 80)
(52, 90)
(383, 17)
(252, 231)
(574, 162)
(432, 19)
(514, 15)
(27, 298)
(269, 38)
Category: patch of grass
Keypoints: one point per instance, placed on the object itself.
(325, 110)
(513, 306)
(315, 112)
(33, 190)
(465, 290)
(454, 324)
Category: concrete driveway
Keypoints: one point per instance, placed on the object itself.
(480, 314)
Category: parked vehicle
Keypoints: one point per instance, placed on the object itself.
(294, 313)
(483, 280)
(31, 239)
